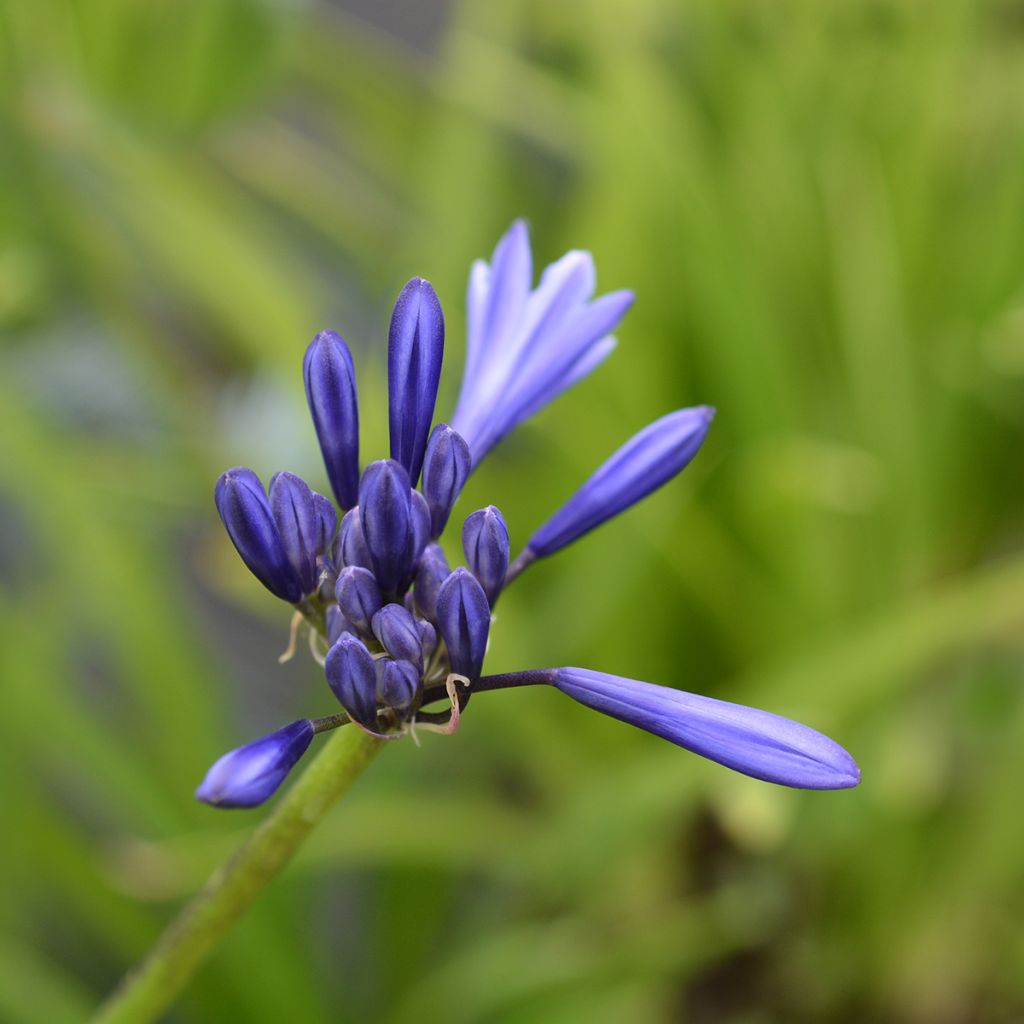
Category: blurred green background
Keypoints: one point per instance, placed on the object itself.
(821, 208)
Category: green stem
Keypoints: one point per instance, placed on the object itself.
(182, 949)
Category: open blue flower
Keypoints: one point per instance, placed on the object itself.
(396, 629)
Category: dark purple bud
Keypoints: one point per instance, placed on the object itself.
(396, 630)
(331, 392)
(485, 542)
(248, 775)
(352, 676)
(445, 470)
(432, 571)
(245, 510)
(337, 624)
(428, 637)
(397, 683)
(358, 596)
(464, 619)
(298, 523)
(350, 545)
(327, 524)
(644, 463)
(415, 350)
(385, 510)
(420, 525)
(757, 743)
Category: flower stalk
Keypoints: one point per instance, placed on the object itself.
(145, 992)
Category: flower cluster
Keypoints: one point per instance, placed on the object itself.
(396, 629)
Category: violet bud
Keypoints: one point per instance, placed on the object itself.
(358, 596)
(350, 544)
(337, 624)
(464, 619)
(385, 510)
(756, 743)
(327, 524)
(415, 351)
(397, 684)
(643, 464)
(331, 393)
(245, 510)
(446, 468)
(396, 630)
(248, 775)
(485, 542)
(432, 571)
(298, 524)
(420, 525)
(352, 677)
(428, 637)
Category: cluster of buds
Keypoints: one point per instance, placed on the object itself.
(395, 628)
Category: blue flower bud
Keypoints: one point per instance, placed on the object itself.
(245, 510)
(352, 677)
(350, 544)
(415, 351)
(396, 630)
(358, 596)
(756, 743)
(330, 381)
(420, 525)
(298, 524)
(337, 624)
(432, 571)
(445, 470)
(485, 542)
(248, 775)
(385, 510)
(464, 619)
(327, 524)
(640, 466)
(397, 683)
(428, 637)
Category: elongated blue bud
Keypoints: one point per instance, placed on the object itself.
(640, 466)
(485, 542)
(396, 630)
(248, 775)
(397, 683)
(245, 510)
(358, 597)
(464, 620)
(756, 743)
(352, 677)
(298, 523)
(350, 544)
(432, 571)
(445, 470)
(415, 351)
(327, 524)
(330, 381)
(385, 509)
(337, 624)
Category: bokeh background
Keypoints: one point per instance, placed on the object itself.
(821, 208)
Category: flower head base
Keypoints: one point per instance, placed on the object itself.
(395, 628)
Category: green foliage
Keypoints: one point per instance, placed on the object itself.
(819, 206)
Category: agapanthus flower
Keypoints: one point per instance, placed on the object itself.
(398, 631)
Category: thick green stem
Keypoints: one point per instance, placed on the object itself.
(152, 986)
